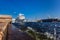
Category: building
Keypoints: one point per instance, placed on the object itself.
(49, 20)
(20, 19)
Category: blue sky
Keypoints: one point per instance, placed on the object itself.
(33, 9)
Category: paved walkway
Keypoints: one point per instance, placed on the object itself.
(15, 34)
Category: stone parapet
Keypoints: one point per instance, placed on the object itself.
(5, 20)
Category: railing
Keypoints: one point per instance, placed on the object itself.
(4, 24)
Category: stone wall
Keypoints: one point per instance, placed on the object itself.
(5, 20)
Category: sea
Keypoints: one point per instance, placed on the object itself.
(42, 27)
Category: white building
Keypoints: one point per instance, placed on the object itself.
(21, 16)
(20, 19)
(13, 20)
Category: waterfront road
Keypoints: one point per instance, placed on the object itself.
(15, 34)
